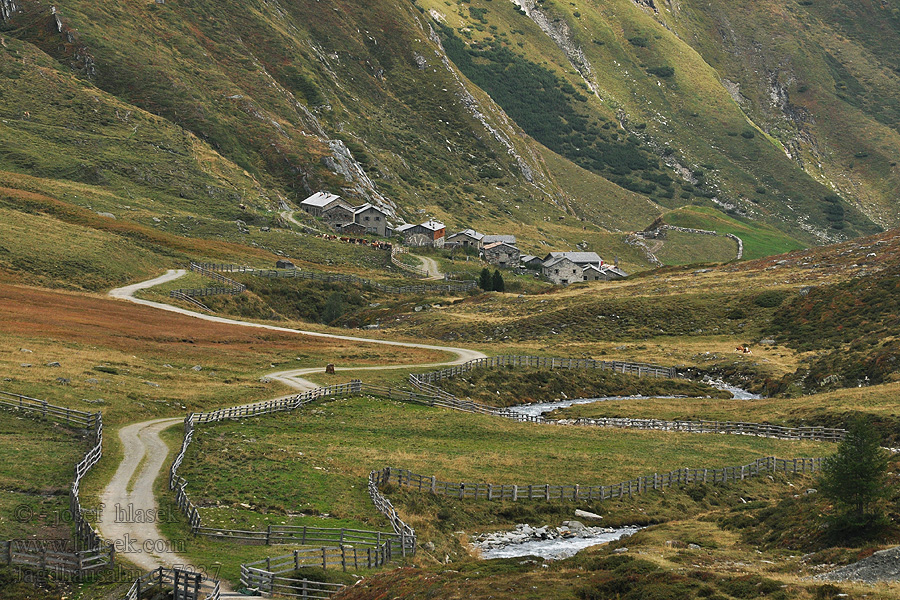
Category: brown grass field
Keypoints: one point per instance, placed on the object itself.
(143, 344)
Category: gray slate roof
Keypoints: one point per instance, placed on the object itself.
(320, 199)
(576, 257)
(469, 232)
(506, 239)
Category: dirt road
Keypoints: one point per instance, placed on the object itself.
(129, 517)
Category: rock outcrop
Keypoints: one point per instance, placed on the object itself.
(561, 33)
(7, 9)
(475, 110)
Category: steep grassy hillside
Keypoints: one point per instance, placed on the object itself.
(615, 91)
(487, 113)
(821, 78)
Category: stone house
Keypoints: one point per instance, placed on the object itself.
(582, 259)
(429, 233)
(562, 271)
(467, 238)
(351, 229)
(604, 273)
(531, 262)
(501, 254)
(373, 219)
(321, 201)
(338, 214)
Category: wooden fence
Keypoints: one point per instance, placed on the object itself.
(817, 434)
(92, 553)
(215, 276)
(40, 555)
(434, 396)
(161, 579)
(232, 288)
(543, 362)
(574, 492)
(403, 536)
(395, 259)
(453, 288)
(179, 295)
(41, 408)
(263, 576)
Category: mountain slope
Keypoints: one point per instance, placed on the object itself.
(488, 113)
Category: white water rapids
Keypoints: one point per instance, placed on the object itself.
(550, 544)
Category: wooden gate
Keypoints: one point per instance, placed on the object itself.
(186, 585)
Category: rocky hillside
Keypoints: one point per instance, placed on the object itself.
(487, 113)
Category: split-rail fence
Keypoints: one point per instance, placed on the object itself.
(415, 270)
(453, 288)
(185, 585)
(575, 492)
(91, 553)
(230, 287)
(402, 539)
(545, 362)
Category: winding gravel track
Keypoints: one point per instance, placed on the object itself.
(129, 516)
(431, 267)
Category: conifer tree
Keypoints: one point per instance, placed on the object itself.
(485, 281)
(855, 477)
(497, 282)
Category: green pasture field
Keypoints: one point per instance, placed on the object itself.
(294, 468)
(37, 462)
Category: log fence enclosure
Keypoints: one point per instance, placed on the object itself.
(263, 576)
(185, 585)
(395, 259)
(402, 539)
(453, 288)
(91, 553)
(232, 287)
(576, 492)
(544, 362)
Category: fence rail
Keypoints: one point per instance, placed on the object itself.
(233, 287)
(161, 577)
(453, 288)
(41, 408)
(92, 552)
(78, 562)
(179, 295)
(818, 434)
(639, 369)
(417, 271)
(421, 288)
(263, 576)
(403, 537)
(547, 492)
(434, 396)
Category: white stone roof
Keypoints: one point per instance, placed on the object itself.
(320, 199)
(555, 260)
(432, 225)
(366, 207)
